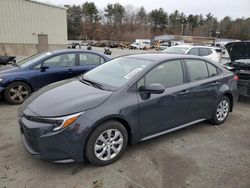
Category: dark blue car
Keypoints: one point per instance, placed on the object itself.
(19, 80)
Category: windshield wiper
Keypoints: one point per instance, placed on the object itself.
(90, 82)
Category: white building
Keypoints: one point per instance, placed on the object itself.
(28, 27)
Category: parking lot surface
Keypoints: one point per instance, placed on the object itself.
(201, 155)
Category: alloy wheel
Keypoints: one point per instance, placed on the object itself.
(18, 93)
(222, 110)
(108, 145)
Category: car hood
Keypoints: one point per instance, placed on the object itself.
(64, 98)
(238, 50)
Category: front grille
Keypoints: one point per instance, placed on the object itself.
(244, 76)
(31, 137)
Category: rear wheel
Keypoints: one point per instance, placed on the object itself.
(221, 111)
(106, 143)
(17, 92)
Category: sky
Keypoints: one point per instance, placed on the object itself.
(219, 8)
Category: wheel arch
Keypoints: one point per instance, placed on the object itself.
(119, 119)
(20, 80)
(230, 97)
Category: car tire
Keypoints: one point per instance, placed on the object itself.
(17, 92)
(106, 143)
(221, 111)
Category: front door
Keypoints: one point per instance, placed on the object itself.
(164, 111)
(58, 68)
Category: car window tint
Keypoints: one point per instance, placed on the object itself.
(212, 70)
(197, 69)
(194, 51)
(168, 74)
(90, 59)
(60, 61)
(204, 51)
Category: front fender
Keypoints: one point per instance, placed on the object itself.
(132, 127)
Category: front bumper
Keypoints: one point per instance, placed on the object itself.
(244, 87)
(63, 146)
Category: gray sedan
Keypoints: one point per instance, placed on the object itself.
(124, 101)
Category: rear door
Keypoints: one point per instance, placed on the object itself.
(87, 61)
(164, 111)
(205, 81)
(60, 67)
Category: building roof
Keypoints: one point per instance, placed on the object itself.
(48, 4)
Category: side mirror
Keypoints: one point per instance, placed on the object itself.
(153, 89)
(44, 67)
(218, 50)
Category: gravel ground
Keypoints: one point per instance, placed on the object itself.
(198, 156)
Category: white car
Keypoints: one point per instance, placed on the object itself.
(204, 51)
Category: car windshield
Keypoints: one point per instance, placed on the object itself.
(176, 49)
(30, 60)
(117, 72)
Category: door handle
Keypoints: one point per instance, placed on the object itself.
(184, 92)
(214, 83)
(70, 70)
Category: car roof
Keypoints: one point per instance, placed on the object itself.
(157, 57)
(193, 45)
(60, 51)
(182, 45)
(71, 50)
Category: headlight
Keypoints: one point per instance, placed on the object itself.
(65, 121)
(58, 123)
(1, 79)
(228, 67)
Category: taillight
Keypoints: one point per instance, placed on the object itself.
(236, 77)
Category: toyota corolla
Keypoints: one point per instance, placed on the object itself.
(127, 100)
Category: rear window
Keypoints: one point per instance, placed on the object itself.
(212, 70)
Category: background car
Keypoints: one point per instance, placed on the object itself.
(239, 53)
(19, 80)
(4, 60)
(127, 100)
(203, 51)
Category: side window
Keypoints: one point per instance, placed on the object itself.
(197, 69)
(168, 74)
(194, 51)
(60, 61)
(212, 70)
(90, 59)
(205, 51)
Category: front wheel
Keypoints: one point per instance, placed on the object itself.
(17, 92)
(106, 143)
(221, 111)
